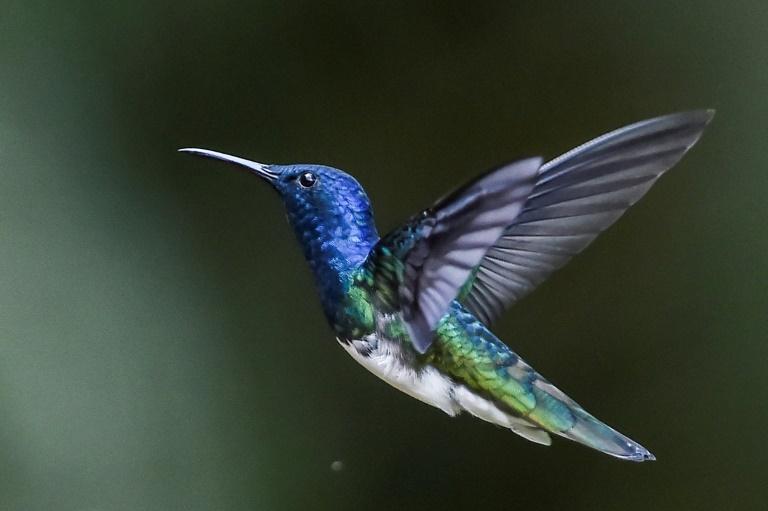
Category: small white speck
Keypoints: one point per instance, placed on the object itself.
(337, 466)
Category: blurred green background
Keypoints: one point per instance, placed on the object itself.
(161, 347)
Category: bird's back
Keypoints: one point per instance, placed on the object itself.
(494, 384)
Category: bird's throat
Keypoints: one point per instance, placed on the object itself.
(335, 246)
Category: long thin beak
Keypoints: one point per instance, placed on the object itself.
(259, 169)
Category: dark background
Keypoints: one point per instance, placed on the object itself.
(161, 347)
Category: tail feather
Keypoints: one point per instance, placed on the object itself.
(496, 385)
(559, 414)
(591, 432)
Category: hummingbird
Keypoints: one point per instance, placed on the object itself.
(415, 306)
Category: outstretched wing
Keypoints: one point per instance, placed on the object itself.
(577, 196)
(418, 269)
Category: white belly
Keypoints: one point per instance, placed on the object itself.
(385, 359)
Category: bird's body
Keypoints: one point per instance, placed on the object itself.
(468, 368)
(414, 306)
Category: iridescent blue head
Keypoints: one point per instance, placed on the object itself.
(329, 212)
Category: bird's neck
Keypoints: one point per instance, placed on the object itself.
(335, 244)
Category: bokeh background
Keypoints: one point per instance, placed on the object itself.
(161, 347)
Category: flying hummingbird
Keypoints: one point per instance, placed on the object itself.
(414, 307)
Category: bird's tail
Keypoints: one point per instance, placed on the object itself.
(591, 432)
(553, 406)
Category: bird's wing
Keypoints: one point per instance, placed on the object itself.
(575, 197)
(418, 269)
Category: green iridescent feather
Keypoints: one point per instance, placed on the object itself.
(467, 352)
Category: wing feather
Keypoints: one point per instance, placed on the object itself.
(435, 253)
(576, 197)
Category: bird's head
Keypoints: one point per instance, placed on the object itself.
(327, 208)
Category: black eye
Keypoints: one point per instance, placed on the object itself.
(307, 180)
